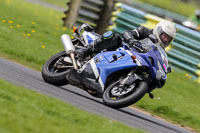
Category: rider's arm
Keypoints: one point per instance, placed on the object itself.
(136, 34)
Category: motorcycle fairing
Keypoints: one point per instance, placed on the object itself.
(101, 66)
(156, 61)
(106, 66)
(85, 78)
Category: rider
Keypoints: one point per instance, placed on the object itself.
(164, 32)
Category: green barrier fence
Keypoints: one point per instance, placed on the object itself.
(159, 11)
(183, 53)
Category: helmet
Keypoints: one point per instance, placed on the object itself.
(197, 13)
(165, 31)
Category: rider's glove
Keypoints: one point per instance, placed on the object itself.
(135, 43)
(138, 44)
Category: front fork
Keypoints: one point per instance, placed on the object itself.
(130, 78)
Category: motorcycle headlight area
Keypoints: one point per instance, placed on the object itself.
(160, 73)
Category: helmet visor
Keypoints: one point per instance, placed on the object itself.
(165, 38)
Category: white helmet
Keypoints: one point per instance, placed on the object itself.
(165, 31)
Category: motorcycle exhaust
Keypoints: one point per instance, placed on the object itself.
(69, 48)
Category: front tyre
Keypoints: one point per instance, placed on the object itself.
(116, 97)
(55, 69)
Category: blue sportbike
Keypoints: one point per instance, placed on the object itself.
(120, 77)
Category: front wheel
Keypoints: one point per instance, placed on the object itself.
(116, 96)
(55, 69)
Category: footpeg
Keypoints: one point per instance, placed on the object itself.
(151, 95)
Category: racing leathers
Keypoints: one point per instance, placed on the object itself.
(108, 42)
(114, 41)
(133, 37)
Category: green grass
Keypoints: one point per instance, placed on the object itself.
(178, 101)
(27, 29)
(26, 111)
(177, 6)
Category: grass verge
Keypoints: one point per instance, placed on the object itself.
(30, 34)
(177, 101)
(23, 110)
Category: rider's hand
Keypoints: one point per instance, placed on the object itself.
(138, 44)
(135, 43)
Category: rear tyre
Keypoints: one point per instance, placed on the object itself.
(116, 97)
(53, 73)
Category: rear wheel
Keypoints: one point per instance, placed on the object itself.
(55, 69)
(117, 96)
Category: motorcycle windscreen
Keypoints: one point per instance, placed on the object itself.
(164, 58)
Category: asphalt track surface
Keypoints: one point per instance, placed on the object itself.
(26, 77)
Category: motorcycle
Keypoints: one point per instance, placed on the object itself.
(120, 77)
